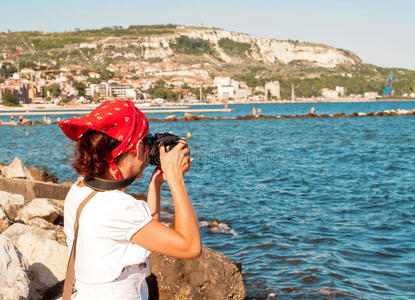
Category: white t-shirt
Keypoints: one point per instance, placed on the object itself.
(106, 225)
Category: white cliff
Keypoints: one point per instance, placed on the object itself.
(261, 49)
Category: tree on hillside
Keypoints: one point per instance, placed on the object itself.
(7, 70)
(53, 90)
(9, 99)
(80, 87)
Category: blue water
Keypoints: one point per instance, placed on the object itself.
(320, 208)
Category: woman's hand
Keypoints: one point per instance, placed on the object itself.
(177, 161)
(158, 177)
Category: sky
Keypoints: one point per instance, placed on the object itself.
(380, 32)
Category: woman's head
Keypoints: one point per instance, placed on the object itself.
(110, 132)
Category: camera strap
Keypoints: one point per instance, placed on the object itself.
(103, 185)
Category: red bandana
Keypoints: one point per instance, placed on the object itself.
(119, 119)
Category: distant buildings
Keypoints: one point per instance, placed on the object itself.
(17, 88)
(228, 88)
(340, 91)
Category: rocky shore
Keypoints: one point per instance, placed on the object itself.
(33, 251)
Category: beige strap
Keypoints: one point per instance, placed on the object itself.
(70, 269)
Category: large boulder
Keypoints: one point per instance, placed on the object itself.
(14, 273)
(39, 207)
(212, 276)
(47, 258)
(11, 203)
(15, 170)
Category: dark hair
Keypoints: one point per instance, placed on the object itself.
(90, 151)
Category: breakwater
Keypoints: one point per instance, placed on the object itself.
(191, 117)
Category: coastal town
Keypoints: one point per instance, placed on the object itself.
(143, 82)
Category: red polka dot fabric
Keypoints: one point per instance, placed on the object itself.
(119, 119)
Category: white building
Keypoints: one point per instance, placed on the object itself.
(94, 75)
(273, 87)
(226, 91)
(329, 94)
(341, 91)
(122, 90)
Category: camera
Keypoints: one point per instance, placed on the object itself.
(169, 140)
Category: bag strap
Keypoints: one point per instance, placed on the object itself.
(70, 269)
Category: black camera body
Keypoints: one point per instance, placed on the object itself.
(169, 141)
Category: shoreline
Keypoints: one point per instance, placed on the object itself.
(191, 117)
(50, 106)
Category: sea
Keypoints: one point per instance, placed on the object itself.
(312, 208)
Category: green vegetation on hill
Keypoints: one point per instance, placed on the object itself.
(234, 48)
(186, 45)
(365, 78)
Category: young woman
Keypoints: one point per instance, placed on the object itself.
(117, 232)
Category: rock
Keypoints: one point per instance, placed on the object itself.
(323, 116)
(41, 175)
(14, 170)
(201, 118)
(14, 273)
(18, 229)
(212, 276)
(27, 122)
(39, 207)
(378, 113)
(171, 118)
(43, 224)
(404, 112)
(47, 258)
(360, 114)
(218, 118)
(394, 113)
(189, 117)
(11, 203)
(4, 220)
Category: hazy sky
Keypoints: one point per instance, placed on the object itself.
(378, 31)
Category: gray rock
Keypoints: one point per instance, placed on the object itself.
(15, 169)
(14, 273)
(212, 276)
(11, 203)
(39, 207)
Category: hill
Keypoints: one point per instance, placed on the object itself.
(308, 66)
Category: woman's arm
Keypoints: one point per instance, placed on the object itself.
(184, 240)
(153, 194)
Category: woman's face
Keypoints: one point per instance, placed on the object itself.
(139, 161)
